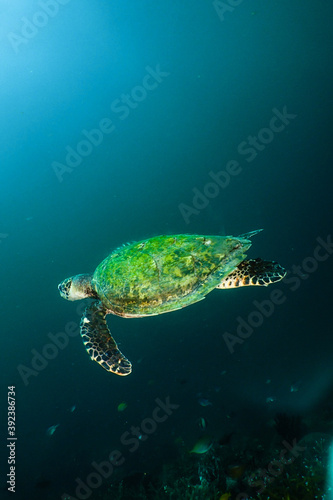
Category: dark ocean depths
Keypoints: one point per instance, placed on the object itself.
(121, 121)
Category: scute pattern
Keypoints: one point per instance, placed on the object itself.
(165, 273)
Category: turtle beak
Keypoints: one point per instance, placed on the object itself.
(64, 288)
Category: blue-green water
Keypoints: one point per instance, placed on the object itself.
(124, 120)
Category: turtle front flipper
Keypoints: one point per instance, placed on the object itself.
(99, 343)
(254, 272)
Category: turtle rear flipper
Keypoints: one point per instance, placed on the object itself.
(254, 272)
(99, 343)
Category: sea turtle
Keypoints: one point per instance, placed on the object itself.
(159, 275)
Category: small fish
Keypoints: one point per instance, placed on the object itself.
(225, 496)
(73, 408)
(204, 402)
(295, 387)
(270, 399)
(202, 445)
(122, 406)
(232, 414)
(202, 423)
(51, 430)
(236, 471)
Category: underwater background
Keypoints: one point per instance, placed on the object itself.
(124, 120)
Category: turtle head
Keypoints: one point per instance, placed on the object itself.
(77, 287)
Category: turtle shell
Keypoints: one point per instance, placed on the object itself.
(165, 273)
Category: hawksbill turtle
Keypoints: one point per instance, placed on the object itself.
(159, 275)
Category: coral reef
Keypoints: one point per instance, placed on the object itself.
(295, 471)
